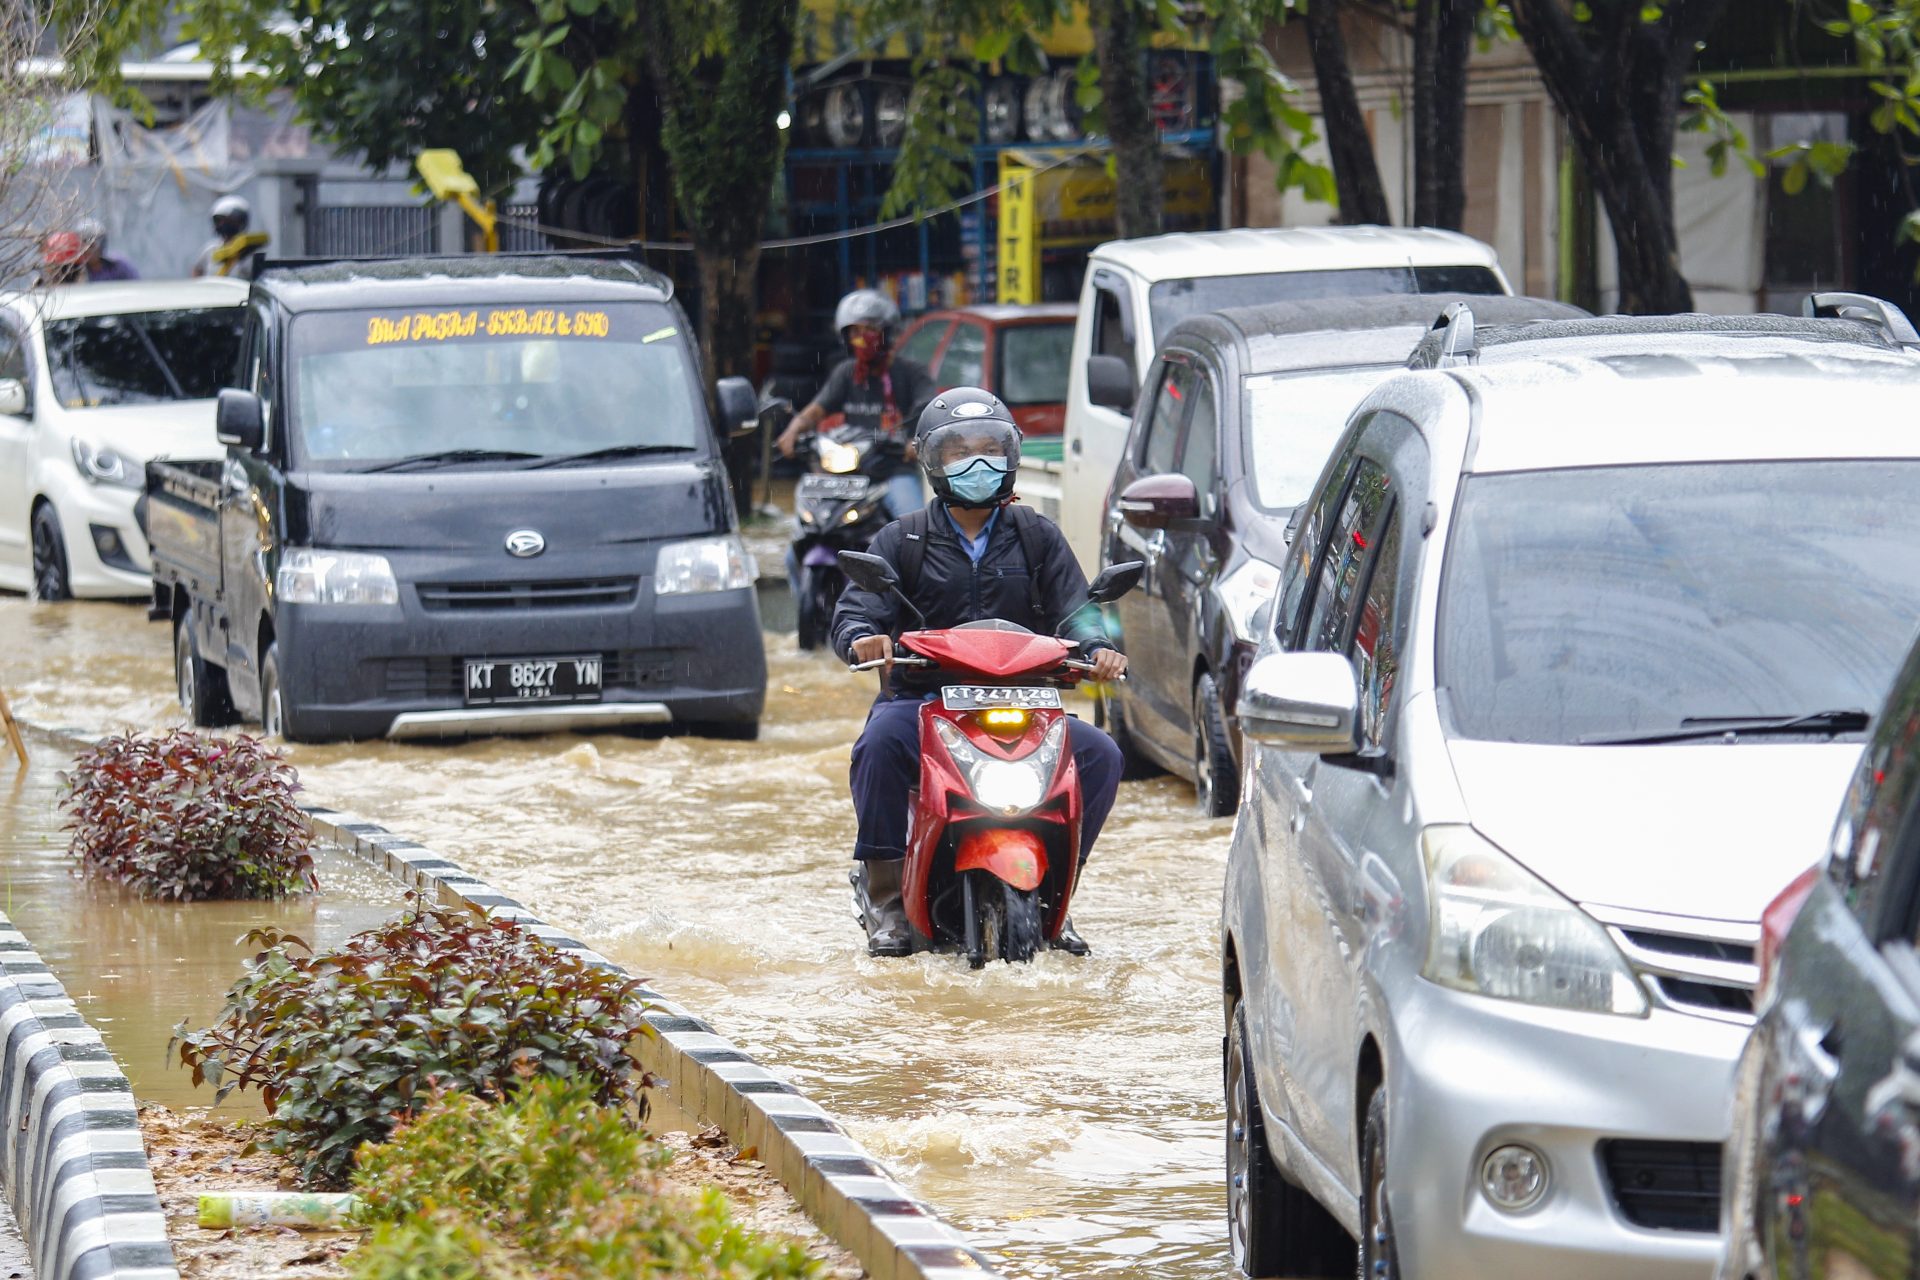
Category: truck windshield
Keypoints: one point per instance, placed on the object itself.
(1609, 603)
(1173, 300)
(492, 385)
(143, 357)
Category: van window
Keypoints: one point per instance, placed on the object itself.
(1111, 327)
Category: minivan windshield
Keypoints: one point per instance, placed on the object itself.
(1293, 420)
(492, 386)
(1172, 300)
(143, 357)
(1605, 604)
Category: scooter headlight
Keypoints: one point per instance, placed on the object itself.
(1008, 787)
(836, 458)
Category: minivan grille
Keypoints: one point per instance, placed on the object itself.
(445, 677)
(564, 594)
(1669, 1186)
(1703, 967)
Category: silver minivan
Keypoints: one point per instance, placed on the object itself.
(1565, 676)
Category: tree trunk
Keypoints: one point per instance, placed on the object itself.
(1443, 42)
(726, 309)
(1356, 174)
(1119, 50)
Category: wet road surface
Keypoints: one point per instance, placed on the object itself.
(1067, 1114)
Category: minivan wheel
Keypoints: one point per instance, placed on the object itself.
(1216, 782)
(201, 685)
(50, 579)
(1379, 1257)
(277, 719)
(1273, 1227)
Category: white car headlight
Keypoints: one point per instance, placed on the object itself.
(104, 466)
(703, 564)
(1244, 591)
(311, 576)
(1498, 930)
(1010, 787)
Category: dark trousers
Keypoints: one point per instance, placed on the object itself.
(886, 765)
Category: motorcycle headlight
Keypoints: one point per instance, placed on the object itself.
(837, 458)
(703, 564)
(1498, 930)
(1009, 787)
(103, 466)
(1244, 591)
(311, 576)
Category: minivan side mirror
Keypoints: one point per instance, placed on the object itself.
(1110, 383)
(738, 405)
(13, 397)
(238, 419)
(1115, 581)
(1302, 702)
(1166, 501)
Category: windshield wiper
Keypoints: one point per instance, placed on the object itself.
(444, 456)
(1698, 728)
(608, 454)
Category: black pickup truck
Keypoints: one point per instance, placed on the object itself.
(461, 496)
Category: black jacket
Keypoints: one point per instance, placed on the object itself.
(952, 589)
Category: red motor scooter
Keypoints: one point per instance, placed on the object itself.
(993, 839)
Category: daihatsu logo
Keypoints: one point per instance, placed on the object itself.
(525, 542)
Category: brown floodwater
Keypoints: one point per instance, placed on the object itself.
(1067, 1114)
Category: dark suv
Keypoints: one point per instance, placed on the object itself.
(1232, 427)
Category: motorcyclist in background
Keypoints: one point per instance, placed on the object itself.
(874, 389)
(969, 555)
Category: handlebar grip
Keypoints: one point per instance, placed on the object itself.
(898, 660)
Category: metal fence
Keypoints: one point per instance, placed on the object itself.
(521, 238)
(371, 230)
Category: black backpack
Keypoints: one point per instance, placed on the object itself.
(1027, 525)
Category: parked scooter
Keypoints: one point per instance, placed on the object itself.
(993, 843)
(837, 506)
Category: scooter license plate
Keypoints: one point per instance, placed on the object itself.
(838, 487)
(985, 697)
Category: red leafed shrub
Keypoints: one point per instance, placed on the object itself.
(189, 816)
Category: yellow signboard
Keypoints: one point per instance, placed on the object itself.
(1018, 272)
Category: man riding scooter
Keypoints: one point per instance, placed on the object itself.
(970, 555)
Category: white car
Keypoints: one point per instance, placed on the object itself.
(97, 380)
(1136, 290)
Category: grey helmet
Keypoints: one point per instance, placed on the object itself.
(866, 306)
(955, 431)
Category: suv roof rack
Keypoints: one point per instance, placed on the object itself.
(1847, 318)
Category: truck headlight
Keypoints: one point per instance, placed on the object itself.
(1245, 592)
(703, 564)
(1498, 930)
(311, 576)
(103, 466)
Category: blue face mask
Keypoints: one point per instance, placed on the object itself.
(976, 479)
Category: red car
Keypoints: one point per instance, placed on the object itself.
(1018, 353)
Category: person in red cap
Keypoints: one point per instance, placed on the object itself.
(63, 259)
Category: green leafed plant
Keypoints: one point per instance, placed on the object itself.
(189, 816)
(346, 1044)
(548, 1183)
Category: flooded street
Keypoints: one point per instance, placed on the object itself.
(1067, 1114)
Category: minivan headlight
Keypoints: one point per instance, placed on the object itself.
(311, 576)
(99, 465)
(1244, 592)
(1498, 930)
(703, 564)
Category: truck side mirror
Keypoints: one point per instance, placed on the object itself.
(1110, 383)
(738, 405)
(238, 420)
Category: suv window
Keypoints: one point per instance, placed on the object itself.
(1342, 576)
(1198, 455)
(1307, 546)
(143, 357)
(1112, 326)
(1376, 637)
(13, 353)
(1163, 424)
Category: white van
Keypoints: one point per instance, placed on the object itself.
(1136, 290)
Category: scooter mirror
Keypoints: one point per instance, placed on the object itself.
(1115, 581)
(868, 572)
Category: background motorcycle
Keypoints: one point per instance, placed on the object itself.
(837, 506)
(993, 843)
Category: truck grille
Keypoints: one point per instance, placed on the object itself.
(1668, 1186)
(580, 593)
(423, 678)
(1703, 967)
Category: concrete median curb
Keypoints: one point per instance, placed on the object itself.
(844, 1189)
(75, 1168)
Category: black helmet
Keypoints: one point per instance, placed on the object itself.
(965, 438)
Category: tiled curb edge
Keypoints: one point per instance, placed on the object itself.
(848, 1193)
(74, 1166)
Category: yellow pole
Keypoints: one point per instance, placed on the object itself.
(13, 730)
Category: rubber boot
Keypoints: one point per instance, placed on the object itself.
(1069, 941)
(882, 913)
